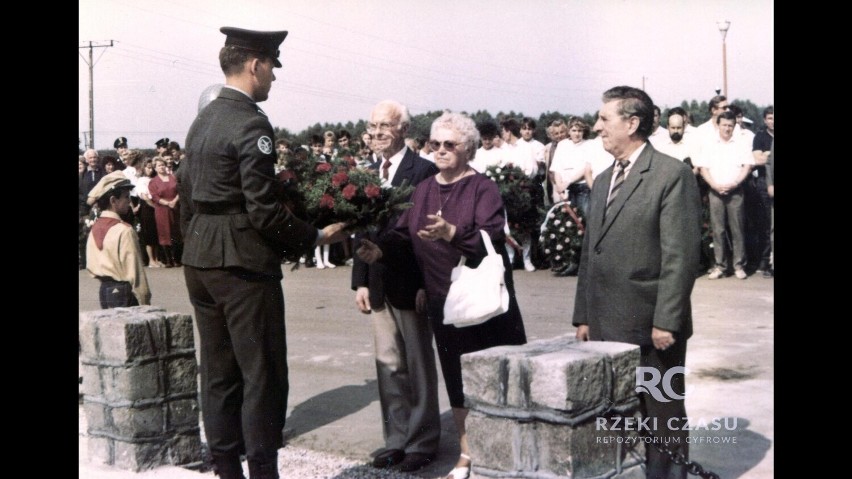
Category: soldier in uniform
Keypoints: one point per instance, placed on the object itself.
(235, 242)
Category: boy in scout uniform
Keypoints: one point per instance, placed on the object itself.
(113, 254)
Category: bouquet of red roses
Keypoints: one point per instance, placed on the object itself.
(519, 194)
(327, 192)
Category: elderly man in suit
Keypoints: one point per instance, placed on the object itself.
(236, 237)
(640, 254)
(394, 298)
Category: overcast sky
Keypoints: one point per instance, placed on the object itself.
(341, 57)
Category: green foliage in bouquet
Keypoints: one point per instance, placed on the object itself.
(328, 192)
(518, 192)
(561, 237)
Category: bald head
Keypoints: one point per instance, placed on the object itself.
(388, 125)
(91, 157)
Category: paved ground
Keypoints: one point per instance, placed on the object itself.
(333, 414)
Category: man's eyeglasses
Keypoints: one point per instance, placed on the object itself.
(372, 127)
(448, 145)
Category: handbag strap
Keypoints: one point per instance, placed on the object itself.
(488, 246)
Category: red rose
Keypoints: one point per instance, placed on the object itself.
(323, 168)
(372, 191)
(286, 175)
(327, 201)
(339, 179)
(349, 191)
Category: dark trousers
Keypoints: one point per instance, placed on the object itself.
(116, 294)
(758, 222)
(658, 465)
(243, 364)
(579, 195)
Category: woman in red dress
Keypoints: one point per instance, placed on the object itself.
(163, 189)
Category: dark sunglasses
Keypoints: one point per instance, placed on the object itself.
(448, 145)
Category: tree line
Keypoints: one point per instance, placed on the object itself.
(422, 123)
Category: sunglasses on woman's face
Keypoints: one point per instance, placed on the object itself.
(448, 145)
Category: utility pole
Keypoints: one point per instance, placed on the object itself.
(643, 82)
(91, 63)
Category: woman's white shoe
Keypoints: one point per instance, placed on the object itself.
(460, 472)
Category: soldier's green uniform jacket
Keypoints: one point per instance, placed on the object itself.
(229, 187)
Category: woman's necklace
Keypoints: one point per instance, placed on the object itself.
(444, 200)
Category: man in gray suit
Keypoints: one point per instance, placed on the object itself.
(640, 255)
(235, 240)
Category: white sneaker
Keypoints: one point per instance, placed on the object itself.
(330, 265)
(529, 266)
(716, 273)
(320, 265)
(740, 273)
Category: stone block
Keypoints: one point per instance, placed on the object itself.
(500, 375)
(185, 449)
(570, 380)
(127, 334)
(492, 440)
(180, 332)
(93, 384)
(88, 332)
(182, 413)
(100, 450)
(97, 416)
(135, 423)
(133, 383)
(140, 456)
(181, 374)
(625, 360)
(503, 447)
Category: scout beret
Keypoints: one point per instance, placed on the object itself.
(265, 43)
(120, 142)
(111, 182)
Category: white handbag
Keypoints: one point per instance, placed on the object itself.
(477, 295)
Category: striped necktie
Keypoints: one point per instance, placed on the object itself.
(621, 167)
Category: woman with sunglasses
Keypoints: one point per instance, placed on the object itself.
(449, 210)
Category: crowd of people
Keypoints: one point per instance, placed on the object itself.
(651, 183)
(154, 210)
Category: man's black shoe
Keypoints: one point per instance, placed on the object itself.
(768, 273)
(388, 458)
(414, 461)
(570, 270)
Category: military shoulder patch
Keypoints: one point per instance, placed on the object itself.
(264, 144)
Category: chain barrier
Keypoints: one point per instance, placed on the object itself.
(676, 457)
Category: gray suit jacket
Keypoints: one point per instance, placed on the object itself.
(638, 266)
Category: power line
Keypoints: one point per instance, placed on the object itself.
(91, 63)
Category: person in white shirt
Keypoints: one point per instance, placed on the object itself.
(569, 166)
(676, 145)
(527, 131)
(426, 150)
(724, 164)
(519, 153)
(597, 158)
(557, 131)
(487, 154)
(658, 133)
